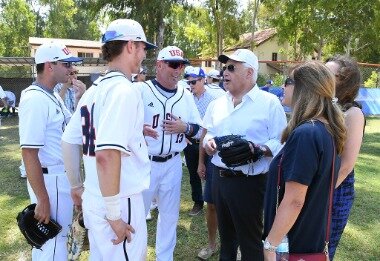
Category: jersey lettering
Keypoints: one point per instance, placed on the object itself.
(88, 131)
(155, 121)
(179, 138)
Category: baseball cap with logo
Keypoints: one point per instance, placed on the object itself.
(126, 30)
(196, 72)
(173, 54)
(241, 55)
(214, 74)
(54, 51)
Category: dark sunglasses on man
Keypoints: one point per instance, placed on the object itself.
(230, 68)
(193, 82)
(174, 65)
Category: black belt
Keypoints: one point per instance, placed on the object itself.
(45, 171)
(231, 173)
(163, 159)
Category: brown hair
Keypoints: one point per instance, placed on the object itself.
(314, 90)
(112, 49)
(348, 80)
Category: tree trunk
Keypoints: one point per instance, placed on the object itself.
(255, 11)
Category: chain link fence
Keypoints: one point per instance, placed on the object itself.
(16, 77)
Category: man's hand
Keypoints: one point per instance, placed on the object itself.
(42, 210)
(210, 147)
(76, 195)
(175, 125)
(201, 171)
(149, 131)
(79, 88)
(122, 231)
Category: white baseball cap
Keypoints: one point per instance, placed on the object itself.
(54, 51)
(171, 53)
(126, 30)
(214, 74)
(241, 55)
(196, 72)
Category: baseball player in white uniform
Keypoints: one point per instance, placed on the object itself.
(170, 114)
(42, 120)
(108, 124)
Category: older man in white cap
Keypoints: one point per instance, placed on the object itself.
(42, 120)
(239, 192)
(109, 125)
(170, 115)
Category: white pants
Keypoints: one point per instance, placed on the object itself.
(61, 210)
(165, 184)
(100, 232)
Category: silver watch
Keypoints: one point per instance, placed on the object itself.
(268, 246)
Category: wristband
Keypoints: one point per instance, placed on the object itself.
(187, 132)
(113, 207)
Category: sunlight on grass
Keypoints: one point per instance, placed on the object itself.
(360, 241)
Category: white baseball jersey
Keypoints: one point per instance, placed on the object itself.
(110, 116)
(42, 120)
(158, 107)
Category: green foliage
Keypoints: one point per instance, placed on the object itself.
(17, 23)
(70, 19)
(373, 80)
(309, 26)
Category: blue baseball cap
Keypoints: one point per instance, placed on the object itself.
(196, 72)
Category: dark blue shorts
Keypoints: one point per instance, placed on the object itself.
(207, 193)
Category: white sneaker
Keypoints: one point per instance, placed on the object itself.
(149, 216)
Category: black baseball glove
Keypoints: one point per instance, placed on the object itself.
(236, 151)
(36, 233)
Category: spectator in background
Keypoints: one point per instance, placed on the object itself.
(267, 86)
(8, 99)
(212, 82)
(141, 76)
(348, 80)
(71, 91)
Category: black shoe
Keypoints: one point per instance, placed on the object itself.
(197, 209)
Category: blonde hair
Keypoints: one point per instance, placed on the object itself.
(314, 90)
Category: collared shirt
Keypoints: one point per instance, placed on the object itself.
(69, 99)
(259, 117)
(202, 103)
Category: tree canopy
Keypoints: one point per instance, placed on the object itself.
(202, 28)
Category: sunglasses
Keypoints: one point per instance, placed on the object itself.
(143, 73)
(110, 35)
(74, 73)
(289, 81)
(230, 68)
(193, 82)
(65, 64)
(174, 65)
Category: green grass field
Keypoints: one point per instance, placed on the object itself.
(361, 240)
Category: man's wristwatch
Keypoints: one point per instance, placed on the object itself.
(268, 246)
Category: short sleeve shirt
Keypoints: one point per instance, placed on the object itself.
(306, 159)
